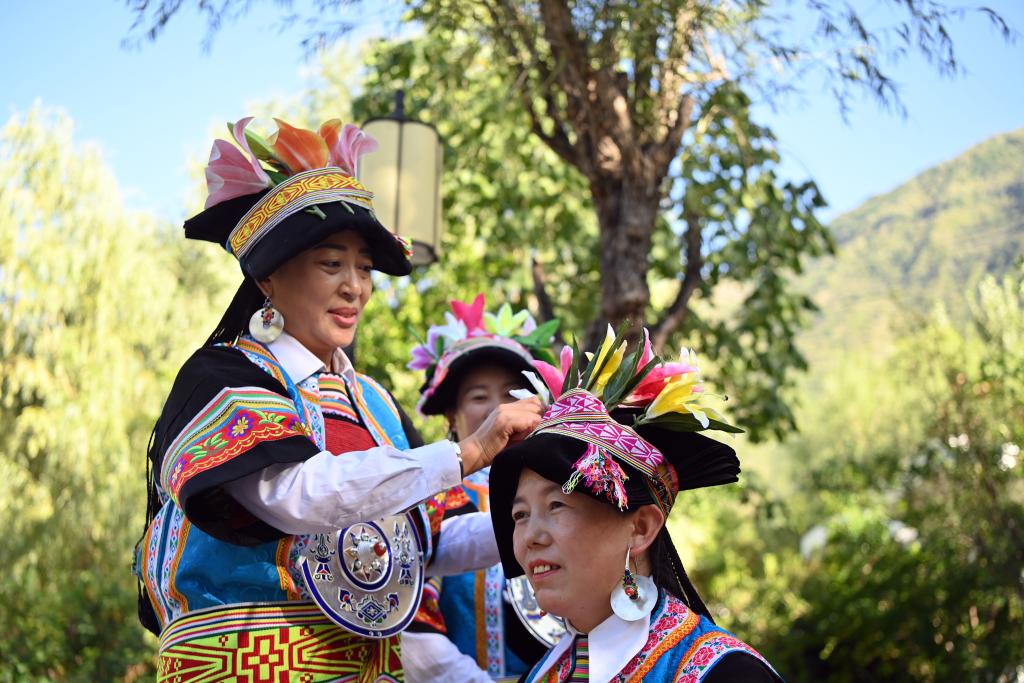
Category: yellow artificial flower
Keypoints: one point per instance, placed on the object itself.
(609, 369)
(601, 381)
(681, 395)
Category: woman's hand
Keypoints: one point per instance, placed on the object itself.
(508, 423)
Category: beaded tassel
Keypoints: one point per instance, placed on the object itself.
(601, 474)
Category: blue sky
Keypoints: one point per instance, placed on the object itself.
(151, 109)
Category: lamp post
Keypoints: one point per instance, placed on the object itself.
(405, 177)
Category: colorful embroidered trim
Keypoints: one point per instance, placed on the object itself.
(707, 651)
(429, 612)
(233, 422)
(334, 398)
(436, 506)
(161, 553)
(671, 623)
(298, 192)
(494, 621)
(276, 642)
(304, 395)
(580, 660)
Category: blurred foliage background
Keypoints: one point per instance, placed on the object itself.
(883, 540)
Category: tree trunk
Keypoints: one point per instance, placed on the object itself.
(627, 210)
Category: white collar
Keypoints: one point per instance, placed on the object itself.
(299, 362)
(611, 645)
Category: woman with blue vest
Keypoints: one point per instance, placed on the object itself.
(286, 539)
(467, 630)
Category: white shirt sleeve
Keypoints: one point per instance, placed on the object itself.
(467, 543)
(330, 492)
(432, 657)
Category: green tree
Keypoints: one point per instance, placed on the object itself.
(647, 107)
(92, 328)
(908, 502)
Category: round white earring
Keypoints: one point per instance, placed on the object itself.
(633, 598)
(266, 324)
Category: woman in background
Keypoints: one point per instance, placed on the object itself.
(465, 630)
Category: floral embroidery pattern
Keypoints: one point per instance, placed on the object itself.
(671, 623)
(233, 422)
(707, 651)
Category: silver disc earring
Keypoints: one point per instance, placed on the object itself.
(633, 598)
(266, 324)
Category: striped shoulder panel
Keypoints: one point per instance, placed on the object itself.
(335, 399)
(370, 383)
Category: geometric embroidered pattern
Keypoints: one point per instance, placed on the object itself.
(234, 421)
(581, 415)
(494, 619)
(334, 398)
(294, 194)
(278, 642)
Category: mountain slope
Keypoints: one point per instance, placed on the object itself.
(925, 242)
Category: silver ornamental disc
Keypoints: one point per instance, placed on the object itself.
(367, 578)
(547, 628)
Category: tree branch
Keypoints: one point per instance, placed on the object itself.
(603, 107)
(507, 23)
(546, 307)
(676, 314)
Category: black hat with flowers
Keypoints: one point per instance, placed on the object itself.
(471, 337)
(626, 431)
(272, 198)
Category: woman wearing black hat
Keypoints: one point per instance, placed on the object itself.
(466, 629)
(580, 508)
(284, 499)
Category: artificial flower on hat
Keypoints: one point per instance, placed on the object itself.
(607, 399)
(471, 335)
(268, 198)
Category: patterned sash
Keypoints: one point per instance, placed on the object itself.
(276, 642)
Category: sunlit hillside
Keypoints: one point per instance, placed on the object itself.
(925, 242)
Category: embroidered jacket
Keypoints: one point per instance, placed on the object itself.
(672, 645)
(232, 412)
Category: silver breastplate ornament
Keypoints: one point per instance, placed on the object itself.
(547, 628)
(367, 578)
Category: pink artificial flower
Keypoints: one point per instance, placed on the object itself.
(230, 174)
(346, 144)
(551, 376)
(238, 131)
(651, 386)
(422, 358)
(648, 353)
(565, 359)
(471, 314)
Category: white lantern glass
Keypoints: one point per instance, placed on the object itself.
(404, 175)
